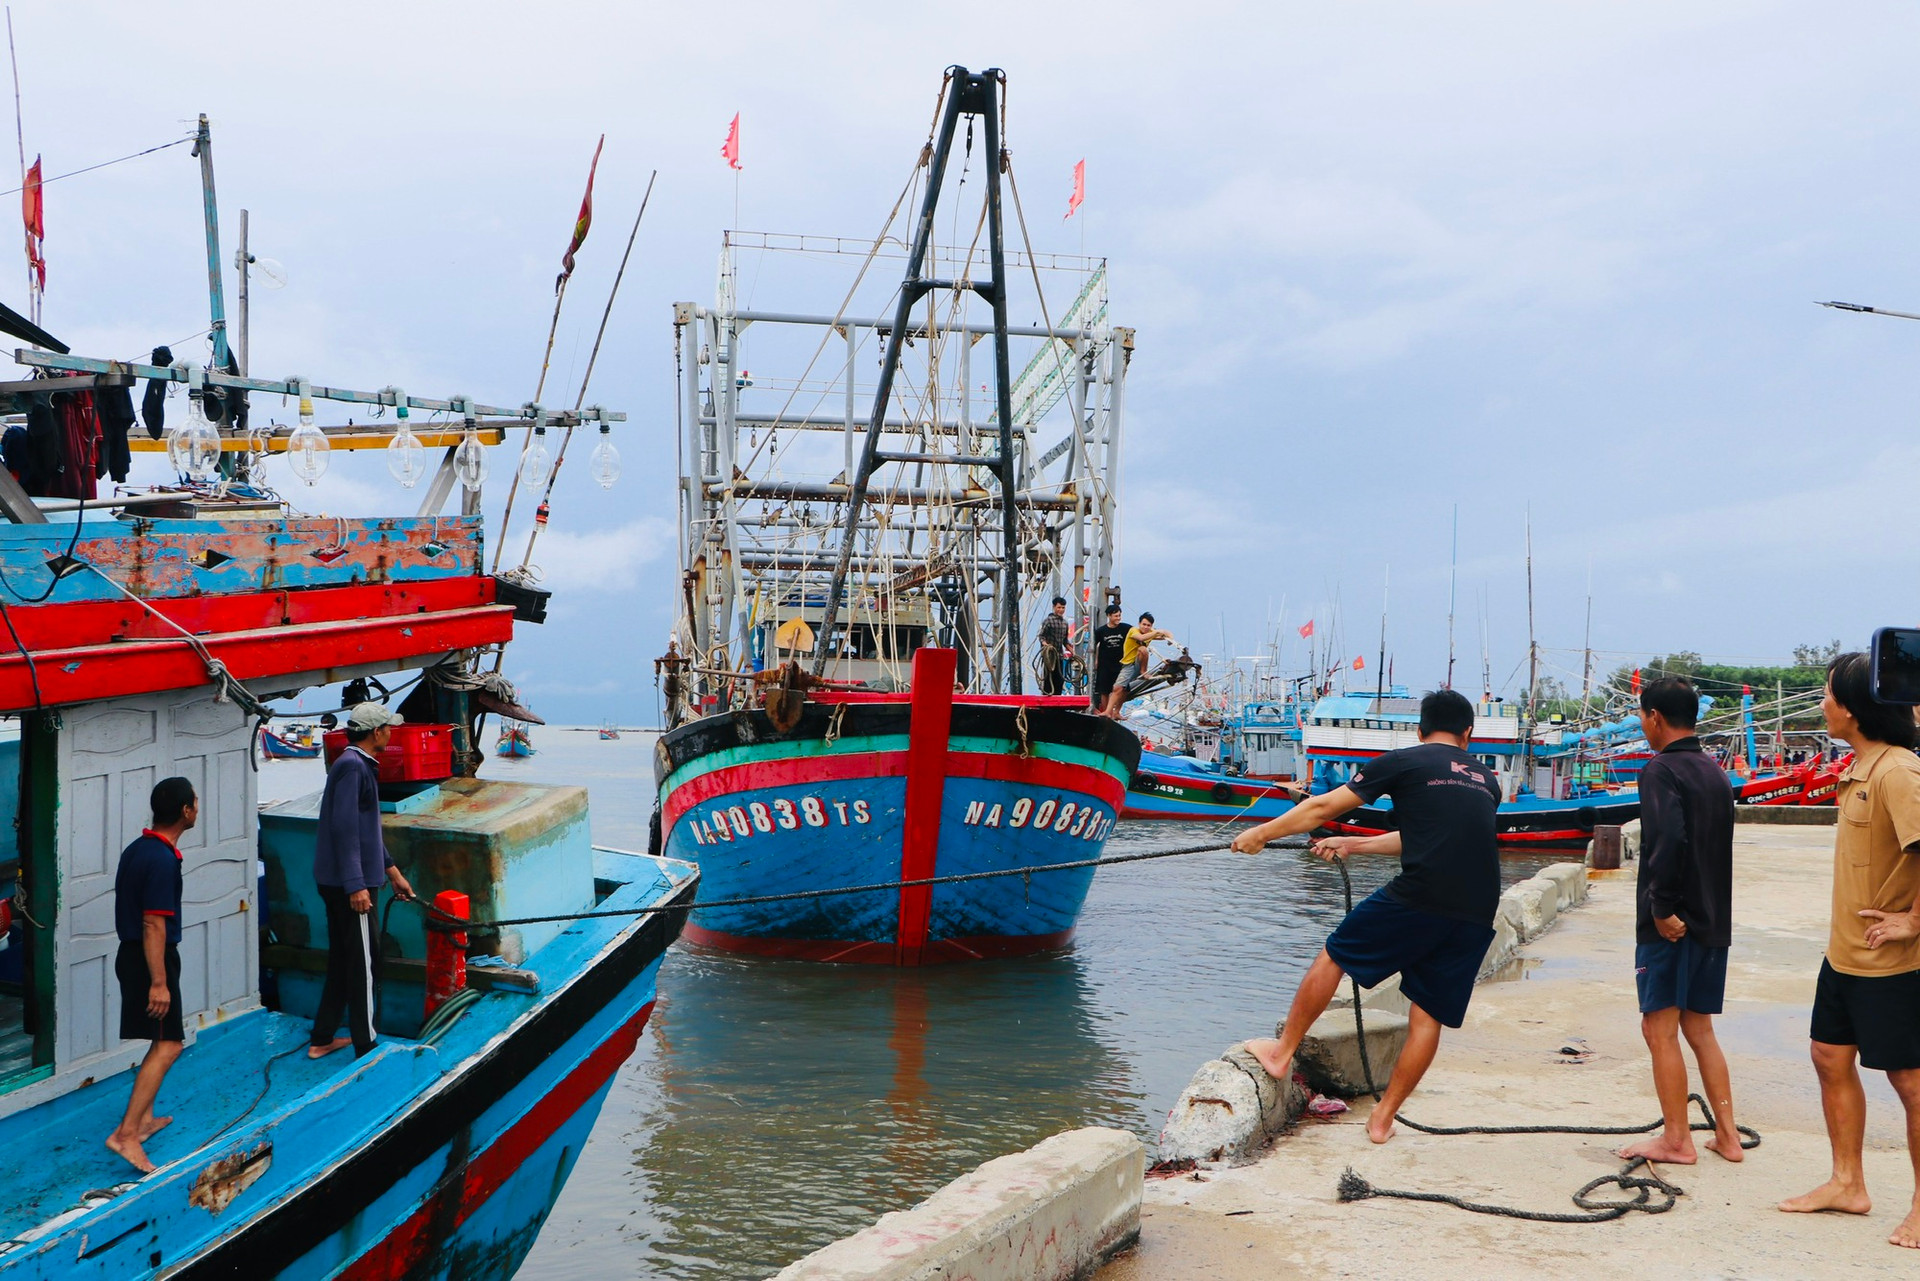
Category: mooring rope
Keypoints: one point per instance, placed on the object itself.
(455, 924)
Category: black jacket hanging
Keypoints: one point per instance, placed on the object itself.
(153, 405)
(115, 407)
(42, 470)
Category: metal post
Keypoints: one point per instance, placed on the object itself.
(1008, 604)
(243, 262)
(216, 288)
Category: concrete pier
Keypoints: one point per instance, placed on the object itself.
(1278, 1215)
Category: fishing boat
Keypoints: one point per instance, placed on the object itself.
(846, 705)
(152, 632)
(295, 743)
(609, 732)
(515, 742)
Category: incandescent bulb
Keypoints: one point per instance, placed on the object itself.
(470, 461)
(406, 460)
(307, 447)
(533, 460)
(604, 463)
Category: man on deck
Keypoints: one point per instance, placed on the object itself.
(1055, 648)
(1136, 655)
(350, 863)
(1683, 922)
(1109, 642)
(1431, 924)
(146, 915)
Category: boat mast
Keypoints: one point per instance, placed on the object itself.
(975, 96)
(1380, 675)
(216, 287)
(1586, 666)
(1533, 662)
(1453, 585)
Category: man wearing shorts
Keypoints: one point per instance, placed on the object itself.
(1683, 925)
(1432, 924)
(1866, 1003)
(1136, 653)
(146, 915)
(1109, 643)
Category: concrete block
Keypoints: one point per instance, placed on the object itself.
(1229, 1108)
(1539, 902)
(1630, 840)
(1571, 878)
(1330, 1055)
(1505, 945)
(1054, 1212)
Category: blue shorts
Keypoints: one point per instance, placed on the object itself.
(1436, 957)
(1686, 975)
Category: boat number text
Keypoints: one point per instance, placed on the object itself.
(1066, 817)
(738, 821)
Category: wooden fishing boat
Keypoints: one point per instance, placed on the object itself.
(849, 709)
(515, 742)
(296, 744)
(151, 634)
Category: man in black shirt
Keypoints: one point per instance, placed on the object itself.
(1431, 924)
(1109, 643)
(1683, 923)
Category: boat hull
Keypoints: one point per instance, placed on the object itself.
(1167, 788)
(858, 793)
(1540, 825)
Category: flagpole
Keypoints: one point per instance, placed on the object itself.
(20, 134)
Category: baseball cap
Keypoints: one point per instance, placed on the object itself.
(371, 716)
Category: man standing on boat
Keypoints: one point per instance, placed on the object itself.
(1684, 919)
(1055, 648)
(1109, 643)
(1866, 1003)
(1431, 924)
(146, 914)
(1136, 654)
(350, 863)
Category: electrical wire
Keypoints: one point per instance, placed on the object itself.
(75, 173)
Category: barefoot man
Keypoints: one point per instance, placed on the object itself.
(146, 915)
(1866, 1004)
(1683, 926)
(1431, 924)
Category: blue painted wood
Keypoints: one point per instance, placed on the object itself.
(160, 558)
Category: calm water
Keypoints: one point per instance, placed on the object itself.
(774, 1106)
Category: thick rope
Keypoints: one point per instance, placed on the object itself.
(439, 918)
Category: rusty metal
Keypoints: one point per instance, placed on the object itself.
(216, 1186)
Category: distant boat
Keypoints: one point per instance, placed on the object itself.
(609, 731)
(515, 742)
(298, 743)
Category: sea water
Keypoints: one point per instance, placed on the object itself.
(774, 1106)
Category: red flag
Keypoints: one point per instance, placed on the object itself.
(730, 150)
(1359, 663)
(1306, 629)
(1079, 189)
(33, 211)
(583, 222)
(1636, 681)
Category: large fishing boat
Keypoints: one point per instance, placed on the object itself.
(152, 633)
(846, 695)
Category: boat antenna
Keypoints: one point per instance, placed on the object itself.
(1586, 669)
(1380, 672)
(1533, 656)
(1453, 585)
(976, 96)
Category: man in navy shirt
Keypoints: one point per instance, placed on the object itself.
(1431, 924)
(146, 915)
(350, 864)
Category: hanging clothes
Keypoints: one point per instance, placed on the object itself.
(114, 405)
(153, 405)
(42, 456)
(80, 445)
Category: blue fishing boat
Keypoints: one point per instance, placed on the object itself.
(844, 693)
(515, 742)
(296, 744)
(151, 634)
(1185, 789)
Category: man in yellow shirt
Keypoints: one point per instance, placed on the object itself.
(1134, 658)
(1866, 1005)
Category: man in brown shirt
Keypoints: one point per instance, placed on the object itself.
(1866, 1005)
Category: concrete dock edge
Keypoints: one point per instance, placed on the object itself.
(1054, 1212)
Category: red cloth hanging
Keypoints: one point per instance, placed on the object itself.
(80, 446)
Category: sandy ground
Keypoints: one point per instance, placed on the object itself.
(1279, 1217)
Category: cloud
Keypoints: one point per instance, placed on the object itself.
(602, 560)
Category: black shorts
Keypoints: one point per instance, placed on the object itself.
(1881, 1015)
(1437, 957)
(130, 966)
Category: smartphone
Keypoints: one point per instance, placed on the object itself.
(1896, 665)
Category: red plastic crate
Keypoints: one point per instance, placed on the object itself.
(415, 753)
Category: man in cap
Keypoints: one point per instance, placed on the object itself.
(349, 864)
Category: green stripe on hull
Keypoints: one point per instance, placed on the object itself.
(813, 748)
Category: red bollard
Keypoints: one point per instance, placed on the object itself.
(446, 950)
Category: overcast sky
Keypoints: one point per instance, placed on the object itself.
(1382, 259)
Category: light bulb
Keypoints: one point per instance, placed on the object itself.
(470, 461)
(307, 447)
(193, 447)
(604, 463)
(406, 460)
(533, 460)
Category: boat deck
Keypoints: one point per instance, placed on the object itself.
(248, 1067)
